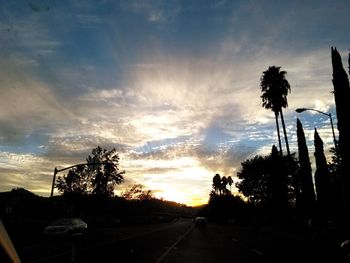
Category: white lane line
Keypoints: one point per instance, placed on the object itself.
(257, 252)
(162, 257)
(30, 247)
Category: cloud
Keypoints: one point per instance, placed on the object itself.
(89, 20)
(154, 11)
(29, 105)
(31, 171)
(218, 120)
(174, 87)
(26, 30)
(156, 16)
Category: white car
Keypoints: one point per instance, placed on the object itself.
(65, 227)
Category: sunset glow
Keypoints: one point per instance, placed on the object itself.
(172, 85)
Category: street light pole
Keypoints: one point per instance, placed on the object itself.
(53, 181)
(334, 139)
(300, 110)
(342, 179)
(56, 171)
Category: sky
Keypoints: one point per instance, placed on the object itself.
(173, 85)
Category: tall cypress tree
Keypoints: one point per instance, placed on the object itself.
(308, 198)
(322, 177)
(278, 183)
(342, 99)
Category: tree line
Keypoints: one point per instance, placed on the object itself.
(278, 183)
(283, 184)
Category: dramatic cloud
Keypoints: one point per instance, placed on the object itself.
(172, 85)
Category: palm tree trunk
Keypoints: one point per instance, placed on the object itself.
(285, 133)
(278, 131)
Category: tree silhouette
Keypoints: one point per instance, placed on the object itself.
(221, 208)
(275, 88)
(278, 182)
(136, 192)
(107, 175)
(98, 177)
(308, 199)
(224, 183)
(342, 98)
(217, 183)
(334, 168)
(265, 182)
(254, 175)
(230, 182)
(75, 182)
(322, 177)
(335, 164)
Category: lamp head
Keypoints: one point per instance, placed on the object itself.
(300, 110)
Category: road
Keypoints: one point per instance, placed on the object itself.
(230, 243)
(143, 243)
(179, 241)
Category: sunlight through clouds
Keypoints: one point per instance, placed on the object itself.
(173, 86)
(176, 179)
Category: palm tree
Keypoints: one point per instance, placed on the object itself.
(217, 183)
(275, 88)
(224, 183)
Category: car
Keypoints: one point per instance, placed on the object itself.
(200, 221)
(65, 227)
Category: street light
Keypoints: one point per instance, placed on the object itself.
(56, 171)
(300, 110)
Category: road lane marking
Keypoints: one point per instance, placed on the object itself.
(128, 237)
(257, 252)
(173, 246)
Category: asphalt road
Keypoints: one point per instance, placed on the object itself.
(143, 243)
(180, 241)
(229, 243)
